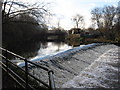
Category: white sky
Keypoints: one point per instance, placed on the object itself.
(64, 10)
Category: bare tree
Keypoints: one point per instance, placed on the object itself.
(109, 13)
(118, 13)
(13, 8)
(79, 21)
(97, 16)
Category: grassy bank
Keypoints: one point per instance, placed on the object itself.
(75, 40)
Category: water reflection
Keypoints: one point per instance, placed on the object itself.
(31, 50)
(73, 43)
(51, 48)
(27, 50)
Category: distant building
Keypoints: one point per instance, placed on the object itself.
(75, 31)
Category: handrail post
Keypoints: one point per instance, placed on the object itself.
(26, 73)
(51, 80)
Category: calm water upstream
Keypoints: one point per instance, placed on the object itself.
(33, 50)
(51, 48)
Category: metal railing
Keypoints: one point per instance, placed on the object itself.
(23, 82)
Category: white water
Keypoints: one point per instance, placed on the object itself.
(62, 52)
(103, 72)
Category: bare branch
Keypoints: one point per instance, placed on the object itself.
(37, 10)
(78, 19)
(97, 15)
(10, 7)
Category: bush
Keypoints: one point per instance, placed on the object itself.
(20, 29)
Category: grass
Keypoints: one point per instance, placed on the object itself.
(76, 40)
(100, 40)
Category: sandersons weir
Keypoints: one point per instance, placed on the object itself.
(68, 64)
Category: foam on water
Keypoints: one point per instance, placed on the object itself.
(61, 53)
(103, 72)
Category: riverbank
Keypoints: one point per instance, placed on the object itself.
(67, 66)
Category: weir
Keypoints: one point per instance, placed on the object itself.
(67, 64)
(70, 63)
(63, 54)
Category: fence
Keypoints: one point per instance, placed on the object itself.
(24, 79)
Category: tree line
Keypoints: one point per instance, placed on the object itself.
(23, 22)
(105, 23)
(107, 20)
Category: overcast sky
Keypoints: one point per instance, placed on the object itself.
(64, 10)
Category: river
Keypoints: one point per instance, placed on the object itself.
(33, 50)
(51, 48)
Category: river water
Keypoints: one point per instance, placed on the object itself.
(51, 48)
(33, 50)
